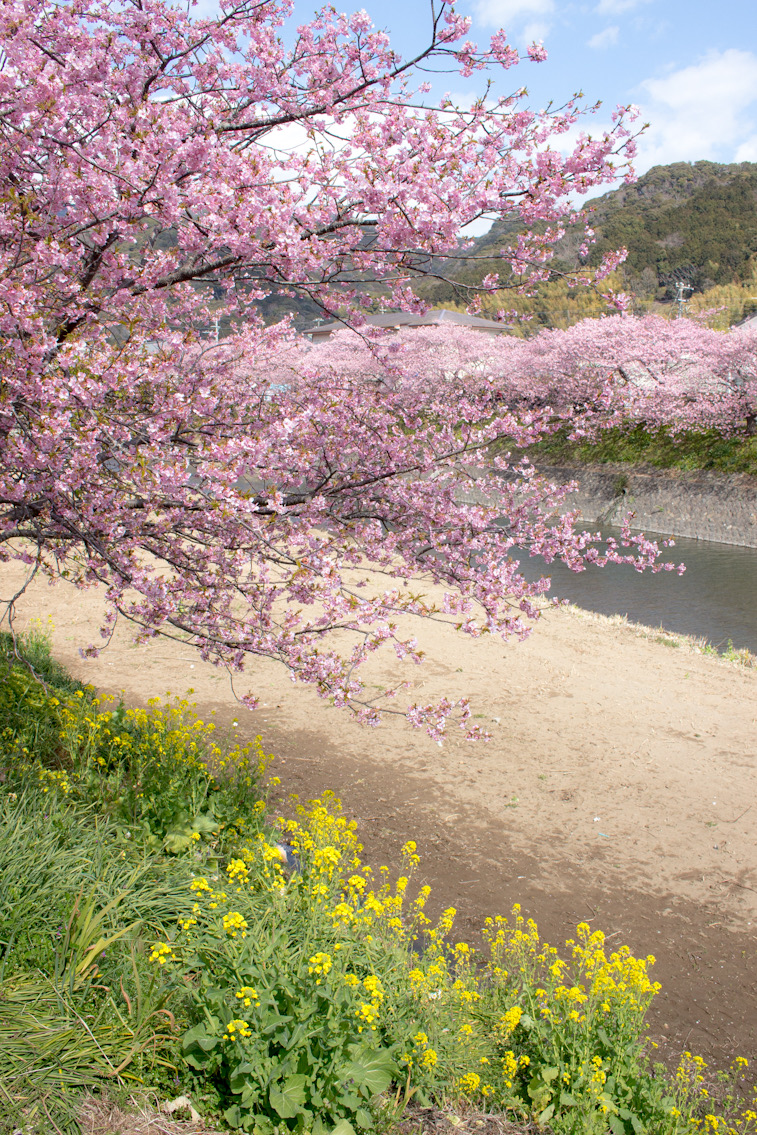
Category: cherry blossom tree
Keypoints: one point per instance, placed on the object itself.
(662, 373)
(163, 175)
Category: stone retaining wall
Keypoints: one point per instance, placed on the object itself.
(702, 506)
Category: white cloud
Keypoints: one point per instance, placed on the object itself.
(536, 31)
(706, 110)
(531, 17)
(747, 151)
(605, 38)
(615, 7)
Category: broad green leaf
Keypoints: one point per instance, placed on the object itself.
(539, 1092)
(238, 1078)
(276, 1025)
(349, 1101)
(287, 1101)
(175, 842)
(343, 1127)
(546, 1115)
(198, 1047)
(199, 1060)
(373, 1072)
(204, 823)
(297, 1036)
(233, 1116)
(250, 1096)
(200, 1037)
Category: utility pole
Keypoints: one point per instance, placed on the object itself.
(680, 297)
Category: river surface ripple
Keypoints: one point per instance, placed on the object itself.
(715, 598)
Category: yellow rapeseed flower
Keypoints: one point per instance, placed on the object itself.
(320, 964)
(248, 996)
(236, 1029)
(235, 924)
(162, 952)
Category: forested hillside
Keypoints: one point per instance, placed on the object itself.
(695, 223)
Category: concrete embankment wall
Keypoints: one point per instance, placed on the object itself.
(702, 506)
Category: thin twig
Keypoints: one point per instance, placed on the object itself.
(737, 818)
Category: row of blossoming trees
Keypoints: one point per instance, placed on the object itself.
(617, 370)
(161, 171)
(676, 374)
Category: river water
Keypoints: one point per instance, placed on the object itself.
(715, 598)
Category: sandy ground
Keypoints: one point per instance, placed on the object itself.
(619, 786)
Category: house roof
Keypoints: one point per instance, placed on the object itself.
(399, 319)
(749, 321)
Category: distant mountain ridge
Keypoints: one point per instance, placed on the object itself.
(691, 221)
(697, 221)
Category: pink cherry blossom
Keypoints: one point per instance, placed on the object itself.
(163, 174)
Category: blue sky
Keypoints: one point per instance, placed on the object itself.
(690, 66)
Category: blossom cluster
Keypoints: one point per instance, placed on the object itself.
(156, 437)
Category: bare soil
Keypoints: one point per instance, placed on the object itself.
(619, 786)
(140, 1116)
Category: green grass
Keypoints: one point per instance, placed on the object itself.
(52, 849)
(688, 452)
(79, 906)
(104, 814)
(32, 652)
(150, 935)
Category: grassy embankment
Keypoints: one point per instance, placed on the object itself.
(152, 938)
(686, 452)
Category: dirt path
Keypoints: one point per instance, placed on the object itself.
(619, 787)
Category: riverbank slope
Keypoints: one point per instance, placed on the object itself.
(619, 786)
